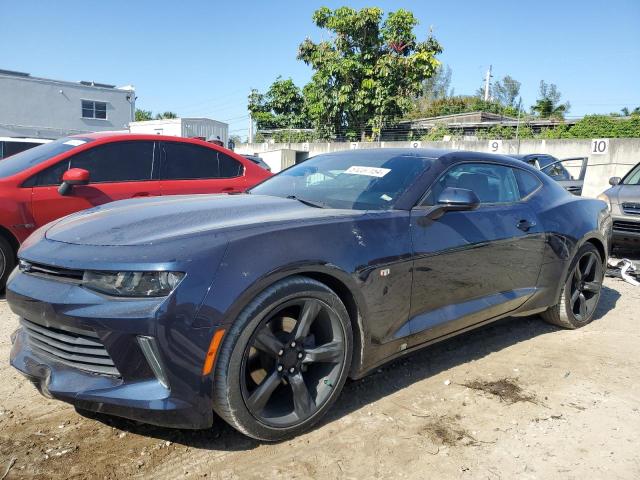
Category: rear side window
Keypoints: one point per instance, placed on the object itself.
(185, 161)
(112, 162)
(527, 182)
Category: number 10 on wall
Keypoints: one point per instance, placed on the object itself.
(600, 146)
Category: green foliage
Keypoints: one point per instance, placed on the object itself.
(367, 73)
(506, 91)
(282, 106)
(548, 104)
(166, 115)
(143, 115)
(437, 133)
(462, 104)
(438, 86)
(591, 126)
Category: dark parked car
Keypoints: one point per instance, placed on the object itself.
(258, 161)
(624, 202)
(259, 306)
(556, 170)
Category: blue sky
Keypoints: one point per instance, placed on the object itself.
(201, 58)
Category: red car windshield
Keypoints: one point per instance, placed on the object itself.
(29, 158)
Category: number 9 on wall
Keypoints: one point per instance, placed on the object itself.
(495, 146)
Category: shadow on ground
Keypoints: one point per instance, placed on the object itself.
(395, 376)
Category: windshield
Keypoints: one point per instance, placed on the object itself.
(358, 182)
(633, 177)
(27, 159)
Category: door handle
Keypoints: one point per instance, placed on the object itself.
(525, 225)
(142, 194)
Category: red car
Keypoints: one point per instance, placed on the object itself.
(74, 173)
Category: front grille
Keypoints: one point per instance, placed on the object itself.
(41, 270)
(631, 208)
(80, 350)
(629, 227)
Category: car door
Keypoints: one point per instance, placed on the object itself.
(190, 168)
(470, 266)
(117, 170)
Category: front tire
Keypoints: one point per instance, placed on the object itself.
(7, 261)
(284, 361)
(581, 291)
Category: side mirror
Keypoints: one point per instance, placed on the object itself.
(454, 200)
(73, 176)
(613, 181)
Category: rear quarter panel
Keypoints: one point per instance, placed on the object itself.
(569, 222)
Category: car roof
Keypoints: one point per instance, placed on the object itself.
(448, 155)
(124, 135)
(522, 156)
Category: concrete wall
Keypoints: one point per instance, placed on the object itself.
(42, 108)
(620, 156)
(279, 159)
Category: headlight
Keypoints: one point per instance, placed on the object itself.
(605, 199)
(132, 284)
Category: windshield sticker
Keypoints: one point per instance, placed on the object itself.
(385, 197)
(75, 143)
(368, 171)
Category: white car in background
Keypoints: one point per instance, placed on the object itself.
(12, 145)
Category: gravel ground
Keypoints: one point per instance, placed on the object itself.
(519, 399)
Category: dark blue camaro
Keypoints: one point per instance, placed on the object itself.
(259, 306)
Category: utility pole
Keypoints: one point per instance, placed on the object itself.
(487, 82)
(250, 139)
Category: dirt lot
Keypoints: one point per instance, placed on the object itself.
(517, 399)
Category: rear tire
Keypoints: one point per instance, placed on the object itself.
(283, 362)
(7, 261)
(580, 292)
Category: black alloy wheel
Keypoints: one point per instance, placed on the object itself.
(284, 360)
(586, 283)
(292, 362)
(581, 291)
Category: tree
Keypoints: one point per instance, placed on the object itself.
(367, 73)
(281, 107)
(143, 115)
(506, 91)
(548, 104)
(166, 115)
(439, 85)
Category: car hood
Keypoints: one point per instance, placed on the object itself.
(153, 220)
(624, 194)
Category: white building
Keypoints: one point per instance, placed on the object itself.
(44, 108)
(204, 128)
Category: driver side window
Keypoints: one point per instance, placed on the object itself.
(108, 163)
(493, 184)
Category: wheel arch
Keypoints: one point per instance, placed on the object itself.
(10, 237)
(334, 278)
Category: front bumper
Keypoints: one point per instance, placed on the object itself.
(626, 231)
(53, 312)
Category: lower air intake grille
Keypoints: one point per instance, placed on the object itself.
(631, 227)
(80, 350)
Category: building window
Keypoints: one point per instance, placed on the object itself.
(91, 109)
